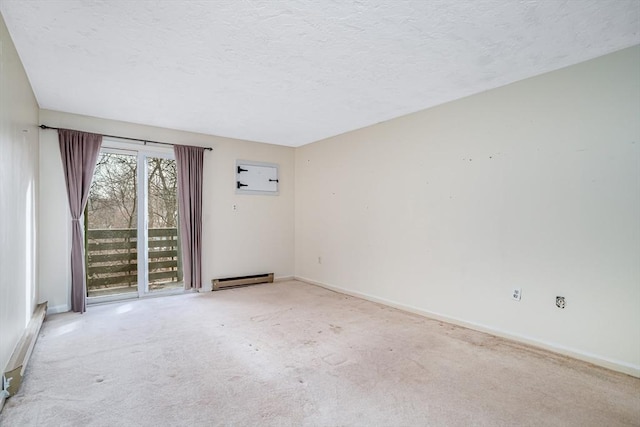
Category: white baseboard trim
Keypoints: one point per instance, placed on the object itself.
(58, 309)
(605, 362)
(13, 374)
(283, 278)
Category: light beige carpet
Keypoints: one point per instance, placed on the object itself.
(291, 354)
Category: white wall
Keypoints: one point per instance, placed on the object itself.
(256, 238)
(533, 185)
(18, 197)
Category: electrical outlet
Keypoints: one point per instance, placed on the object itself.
(516, 294)
(560, 302)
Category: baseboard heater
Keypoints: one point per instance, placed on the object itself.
(14, 372)
(230, 282)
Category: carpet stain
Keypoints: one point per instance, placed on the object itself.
(334, 359)
(268, 316)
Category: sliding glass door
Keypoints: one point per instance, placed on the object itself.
(163, 263)
(131, 240)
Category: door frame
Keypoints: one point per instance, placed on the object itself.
(141, 152)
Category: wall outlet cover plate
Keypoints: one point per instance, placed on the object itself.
(516, 294)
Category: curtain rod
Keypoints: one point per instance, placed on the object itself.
(124, 137)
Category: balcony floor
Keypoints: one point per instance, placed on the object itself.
(133, 289)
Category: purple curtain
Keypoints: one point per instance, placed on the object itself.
(79, 151)
(190, 162)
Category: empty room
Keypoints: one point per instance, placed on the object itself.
(320, 213)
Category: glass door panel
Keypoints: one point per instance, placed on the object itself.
(112, 228)
(164, 266)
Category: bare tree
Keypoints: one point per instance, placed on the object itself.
(163, 185)
(113, 194)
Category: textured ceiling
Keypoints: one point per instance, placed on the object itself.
(291, 72)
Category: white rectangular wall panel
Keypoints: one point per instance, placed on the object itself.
(256, 178)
